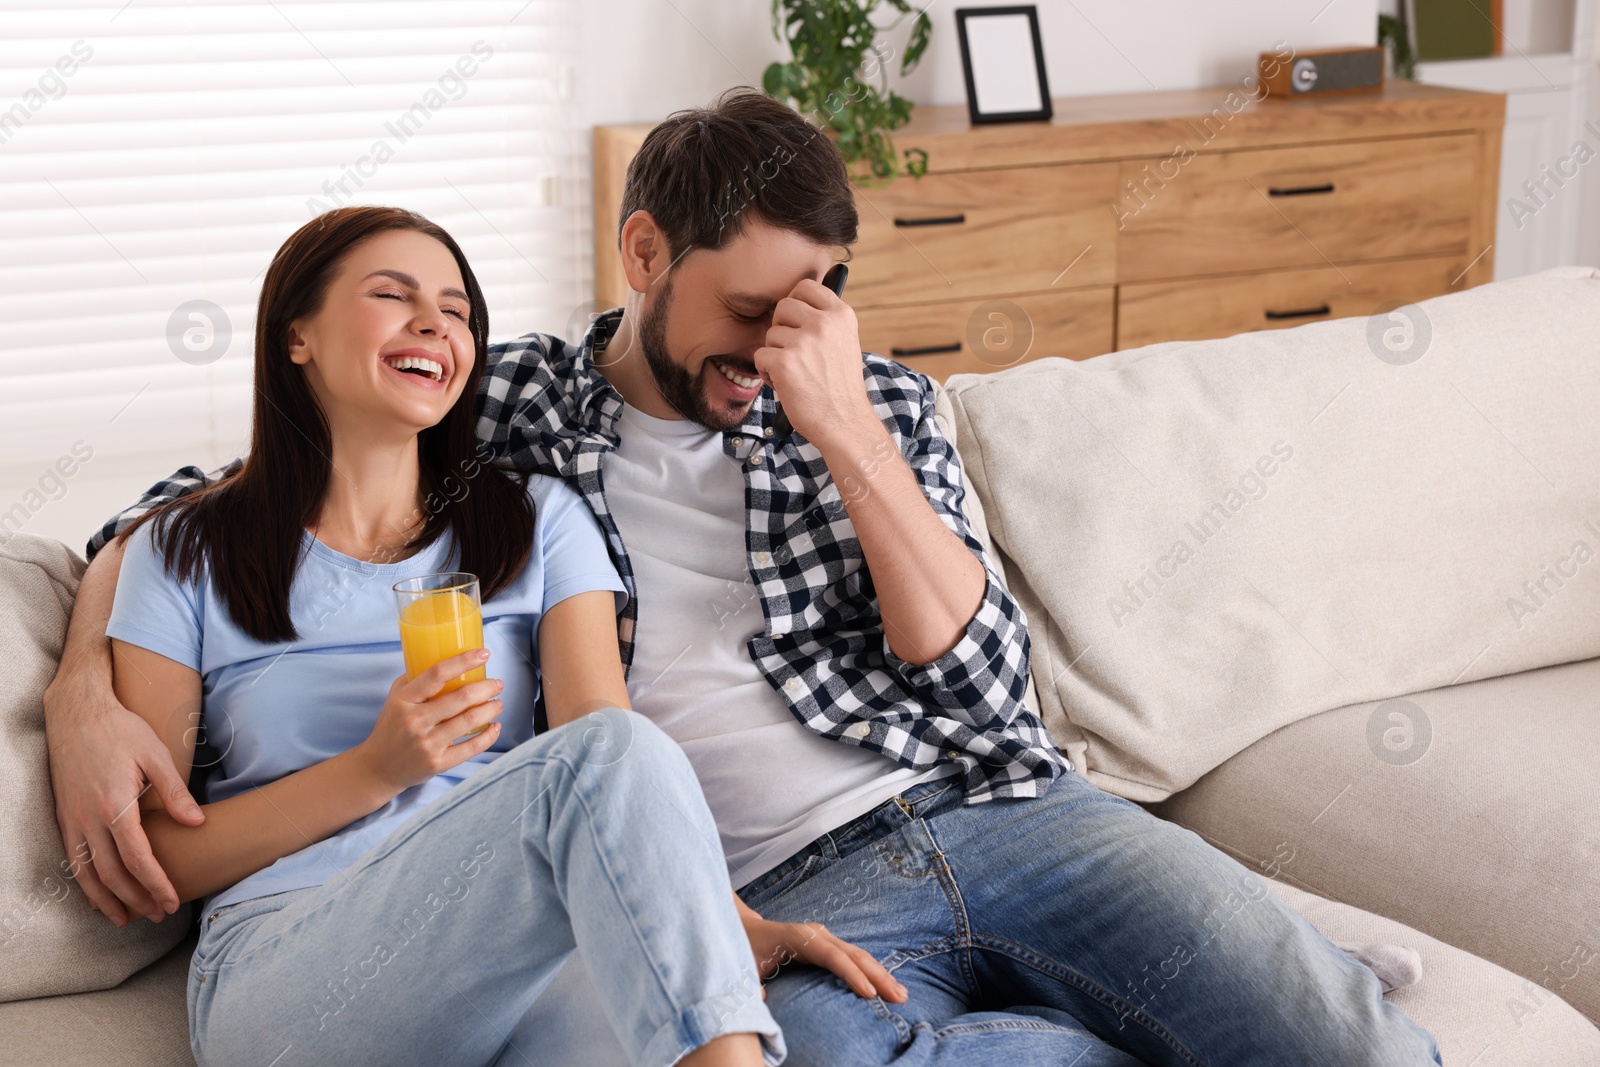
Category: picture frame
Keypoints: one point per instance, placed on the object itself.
(996, 44)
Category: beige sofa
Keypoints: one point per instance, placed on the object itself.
(1371, 674)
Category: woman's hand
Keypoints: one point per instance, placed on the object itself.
(777, 943)
(411, 741)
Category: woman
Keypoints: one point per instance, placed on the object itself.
(379, 891)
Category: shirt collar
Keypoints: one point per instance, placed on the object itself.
(596, 402)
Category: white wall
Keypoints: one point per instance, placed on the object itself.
(1589, 231)
(640, 59)
(1547, 73)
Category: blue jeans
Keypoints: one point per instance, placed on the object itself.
(432, 947)
(1072, 929)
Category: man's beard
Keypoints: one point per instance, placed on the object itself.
(685, 392)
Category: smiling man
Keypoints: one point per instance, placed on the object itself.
(812, 620)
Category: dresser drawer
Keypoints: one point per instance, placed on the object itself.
(1197, 309)
(983, 233)
(1299, 207)
(977, 336)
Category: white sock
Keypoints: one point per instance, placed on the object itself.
(1395, 965)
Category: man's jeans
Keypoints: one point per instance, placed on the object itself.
(1073, 929)
(432, 947)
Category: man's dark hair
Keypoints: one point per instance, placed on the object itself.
(704, 172)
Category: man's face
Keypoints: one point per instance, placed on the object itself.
(701, 326)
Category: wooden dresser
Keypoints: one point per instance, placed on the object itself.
(1152, 217)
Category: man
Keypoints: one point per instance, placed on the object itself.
(814, 623)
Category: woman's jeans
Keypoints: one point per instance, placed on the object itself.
(1072, 929)
(430, 949)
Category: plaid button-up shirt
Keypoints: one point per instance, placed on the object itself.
(545, 408)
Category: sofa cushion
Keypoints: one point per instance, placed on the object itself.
(1214, 539)
(50, 942)
(1468, 1004)
(144, 1022)
(1475, 820)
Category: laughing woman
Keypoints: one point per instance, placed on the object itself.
(382, 884)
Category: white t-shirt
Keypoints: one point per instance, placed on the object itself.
(773, 786)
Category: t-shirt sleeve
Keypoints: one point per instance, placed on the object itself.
(152, 609)
(574, 548)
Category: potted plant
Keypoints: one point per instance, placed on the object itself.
(1393, 35)
(837, 58)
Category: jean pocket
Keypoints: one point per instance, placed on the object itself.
(221, 929)
(201, 988)
(927, 799)
(206, 945)
(763, 891)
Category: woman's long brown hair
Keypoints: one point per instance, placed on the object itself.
(248, 526)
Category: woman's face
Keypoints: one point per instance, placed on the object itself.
(397, 301)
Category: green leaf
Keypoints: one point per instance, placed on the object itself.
(772, 81)
(921, 28)
(898, 111)
(826, 80)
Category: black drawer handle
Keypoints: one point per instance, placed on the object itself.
(1302, 190)
(1303, 313)
(930, 350)
(933, 220)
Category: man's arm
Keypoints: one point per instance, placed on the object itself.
(980, 679)
(928, 582)
(179, 483)
(102, 757)
(954, 635)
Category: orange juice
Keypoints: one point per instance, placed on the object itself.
(437, 626)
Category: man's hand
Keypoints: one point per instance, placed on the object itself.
(928, 583)
(812, 360)
(776, 943)
(103, 758)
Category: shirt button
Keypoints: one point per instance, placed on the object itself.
(953, 753)
(863, 729)
(763, 559)
(755, 460)
(793, 685)
(769, 431)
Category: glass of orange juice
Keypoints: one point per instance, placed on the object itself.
(440, 616)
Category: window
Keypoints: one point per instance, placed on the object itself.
(154, 154)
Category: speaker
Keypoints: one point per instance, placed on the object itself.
(1323, 73)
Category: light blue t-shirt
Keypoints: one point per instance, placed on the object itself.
(269, 710)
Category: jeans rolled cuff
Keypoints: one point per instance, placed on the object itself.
(712, 1018)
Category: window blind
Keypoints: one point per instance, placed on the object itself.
(154, 154)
